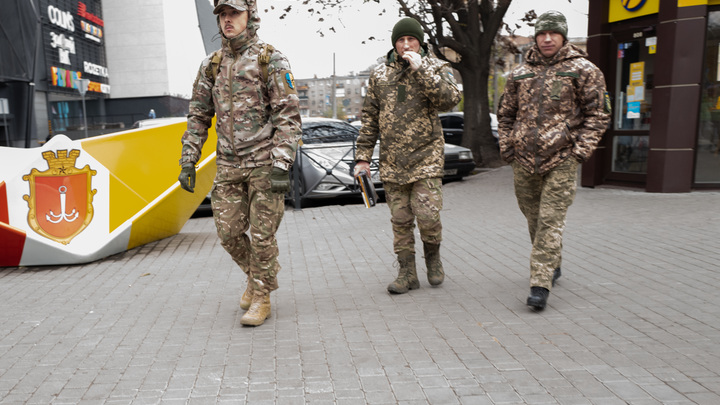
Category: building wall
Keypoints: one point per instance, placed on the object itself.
(152, 47)
(671, 37)
(316, 95)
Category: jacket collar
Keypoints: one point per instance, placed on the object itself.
(568, 51)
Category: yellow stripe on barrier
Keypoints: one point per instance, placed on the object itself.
(144, 165)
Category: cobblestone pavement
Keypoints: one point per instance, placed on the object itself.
(635, 319)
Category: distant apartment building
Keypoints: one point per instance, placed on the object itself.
(316, 95)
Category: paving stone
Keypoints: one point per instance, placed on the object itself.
(632, 320)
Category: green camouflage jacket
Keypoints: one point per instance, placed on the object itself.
(401, 110)
(258, 122)
(552, 110)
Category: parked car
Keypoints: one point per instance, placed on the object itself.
(458, 162)
(453, 124)
(327, 158)
(324, 163)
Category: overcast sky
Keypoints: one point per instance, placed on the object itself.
(310, 54)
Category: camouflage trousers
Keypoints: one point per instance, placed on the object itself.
(241, 200)
(422, 200)
(544, 200)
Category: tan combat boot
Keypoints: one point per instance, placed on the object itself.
(407, 275)
(246, 298)
(259, 310)
(435, 273)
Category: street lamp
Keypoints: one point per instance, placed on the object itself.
(82, 88)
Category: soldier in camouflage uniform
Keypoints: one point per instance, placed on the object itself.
(258, 127)
(401, 110)
(551, 117)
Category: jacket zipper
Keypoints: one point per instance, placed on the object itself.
(232, 102)
(541, 110)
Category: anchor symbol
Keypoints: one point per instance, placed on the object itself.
(69, 217)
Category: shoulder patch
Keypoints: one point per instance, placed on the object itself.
(288, 81)
(607, 104)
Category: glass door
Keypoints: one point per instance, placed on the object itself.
(707, 159)
(632, 90)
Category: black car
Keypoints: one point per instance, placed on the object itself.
(458, 162)
(453, 125)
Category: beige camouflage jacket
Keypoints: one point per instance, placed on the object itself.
(552, 110)
(401, 110)
(258, 123)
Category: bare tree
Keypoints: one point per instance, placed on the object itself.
(461, 32)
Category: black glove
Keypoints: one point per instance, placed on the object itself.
(279, 181)
(187, 177)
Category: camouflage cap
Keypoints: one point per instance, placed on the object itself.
(552, 21)
(239, 5)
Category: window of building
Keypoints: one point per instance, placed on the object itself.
(707, 162)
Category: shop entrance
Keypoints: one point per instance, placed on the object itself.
(631, 87)
(707, 159)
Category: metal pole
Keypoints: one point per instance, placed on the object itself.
(296, 182)
(5, 110)
(82, 89)
(334, 90)
(84, 116)
(7, 137)
(30, 115)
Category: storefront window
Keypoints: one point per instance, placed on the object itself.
(634, 84)
(707, 166)
(630, 154)
(633, 101)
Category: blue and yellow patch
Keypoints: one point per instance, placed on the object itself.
(288, 81)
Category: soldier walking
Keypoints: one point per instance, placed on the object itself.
(401, 109)
(552, 114)
(249, 86)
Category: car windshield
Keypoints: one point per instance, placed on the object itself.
(327, 132)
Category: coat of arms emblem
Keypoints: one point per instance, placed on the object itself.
(61, 197)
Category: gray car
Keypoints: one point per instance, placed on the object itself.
(324, 163)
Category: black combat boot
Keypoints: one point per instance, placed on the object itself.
(556, 275)
(407, 275)
(435, 273)
(538, 297)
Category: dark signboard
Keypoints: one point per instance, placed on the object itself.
(73, 40)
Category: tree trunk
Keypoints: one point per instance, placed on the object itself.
(477, 134)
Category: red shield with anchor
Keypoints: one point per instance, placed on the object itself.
(60, 199)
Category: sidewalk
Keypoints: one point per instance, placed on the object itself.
(635, 318)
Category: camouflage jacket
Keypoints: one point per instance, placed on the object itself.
(552, 110)
(258, 123)
(401, 110)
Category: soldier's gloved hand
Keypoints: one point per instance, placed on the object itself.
(361, 166)
(187, 177)
(413, 58)
(279, 181)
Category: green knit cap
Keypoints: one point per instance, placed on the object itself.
(552, 21)
(408, 26)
